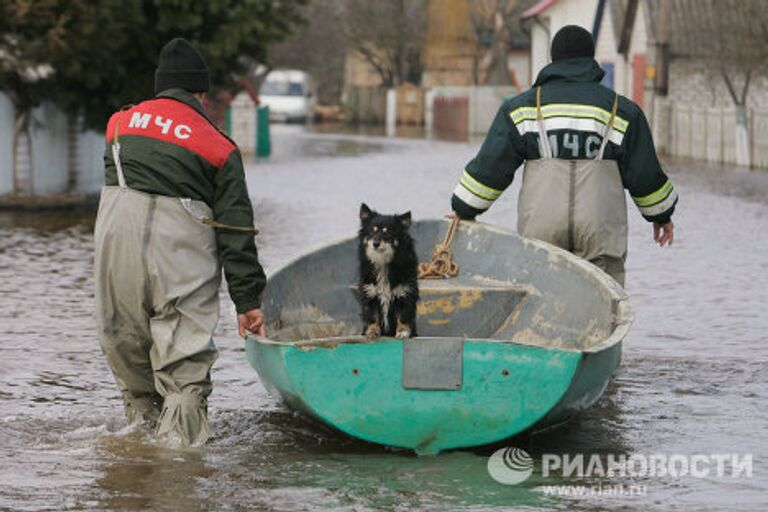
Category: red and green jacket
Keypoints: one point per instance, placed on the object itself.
(169, 147)
(576, 109)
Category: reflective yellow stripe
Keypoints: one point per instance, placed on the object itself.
(478, 188)
(478, 193)
(621, 129)
(655, 197)
(569, 110)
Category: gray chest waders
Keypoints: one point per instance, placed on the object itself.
(157, 277)
(578, 205)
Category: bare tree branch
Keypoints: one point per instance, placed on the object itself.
(388, 34)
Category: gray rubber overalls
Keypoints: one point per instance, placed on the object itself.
(578, 205)
(157, 279)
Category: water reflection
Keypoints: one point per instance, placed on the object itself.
(142, 476)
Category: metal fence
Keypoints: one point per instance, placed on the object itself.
(709, 134)
(483, 103)
(451, 118)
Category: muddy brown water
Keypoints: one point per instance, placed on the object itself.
(694, 376)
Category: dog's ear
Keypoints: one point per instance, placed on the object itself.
(405, 219)
(365, 213)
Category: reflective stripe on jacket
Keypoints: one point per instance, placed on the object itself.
(576, 109)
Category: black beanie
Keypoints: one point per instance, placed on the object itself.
(181, 66)
(571, 42)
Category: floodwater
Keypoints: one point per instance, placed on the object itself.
(694, 376)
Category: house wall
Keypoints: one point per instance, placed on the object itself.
(606, 54)
(449, 47)
(520, 63)
(696, 83)
(636, 82)
(629, 76)
(358, 73)
(539, 47)
(564, 12)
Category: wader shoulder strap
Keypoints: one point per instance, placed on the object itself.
(609, 127)
(544, 148)
(116, 155)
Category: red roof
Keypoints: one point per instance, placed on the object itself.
(537, 9)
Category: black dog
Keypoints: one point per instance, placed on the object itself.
(388, 287)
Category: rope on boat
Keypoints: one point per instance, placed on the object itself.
(442, 265)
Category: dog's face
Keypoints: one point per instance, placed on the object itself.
(381, 234)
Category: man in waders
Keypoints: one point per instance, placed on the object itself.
(175, 210)
(582, 145)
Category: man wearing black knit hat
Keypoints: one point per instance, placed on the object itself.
(582, 145)
(174, 211)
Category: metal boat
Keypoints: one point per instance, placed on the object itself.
(526, 336)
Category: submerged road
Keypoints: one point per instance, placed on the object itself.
(694, 376)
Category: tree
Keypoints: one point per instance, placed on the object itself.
(388, 35)
(316, 47)
(92, 57)
(231, 34)
(492, 29)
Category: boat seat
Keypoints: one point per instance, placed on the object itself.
(467, 306)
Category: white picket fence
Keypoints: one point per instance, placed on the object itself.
(708, 133)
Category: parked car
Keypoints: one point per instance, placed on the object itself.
(289, 95)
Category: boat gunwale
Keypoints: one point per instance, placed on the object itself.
(334, 342)
(623, 316)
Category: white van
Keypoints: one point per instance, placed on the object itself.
(289, 95)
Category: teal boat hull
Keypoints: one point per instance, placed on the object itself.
(516, 369)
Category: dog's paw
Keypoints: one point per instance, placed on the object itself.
(373, 331)
(403, 334)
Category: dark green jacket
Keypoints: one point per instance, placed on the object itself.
(576, 110)
(169, 147)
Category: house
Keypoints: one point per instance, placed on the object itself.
(621, 41)
(697, 69)
(621, 47)
(460, 43)
(705, 84)
(546, 17)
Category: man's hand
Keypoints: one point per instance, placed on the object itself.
(252, 320)
(663, 233)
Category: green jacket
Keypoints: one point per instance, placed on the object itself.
(576, 109)
(169, 147)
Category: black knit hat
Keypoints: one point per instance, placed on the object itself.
(571, 42)
(180, 65)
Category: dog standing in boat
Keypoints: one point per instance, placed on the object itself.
(388, 286)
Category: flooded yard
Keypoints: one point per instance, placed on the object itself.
(693, 380)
